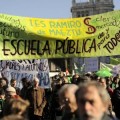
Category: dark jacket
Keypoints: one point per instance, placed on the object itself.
(116, 101)
(69, 116)
(105, 117)
(36, 97)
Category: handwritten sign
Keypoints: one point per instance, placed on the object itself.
(34, 38)
(43, 74)
(18, 69)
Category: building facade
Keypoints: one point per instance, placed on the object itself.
(91, 7)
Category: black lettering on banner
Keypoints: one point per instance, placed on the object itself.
(26, 47)
(113, 42)
(84, 45)
(91, 46)
(38, 49)
(4, 47)
(67, 46)
(103, 36)
(46, 47)
(33, 47)
(77, 48)
(18, 47)
(64, 47)
(12, 43)
(111, 45)
(71, 45)
(59, 45)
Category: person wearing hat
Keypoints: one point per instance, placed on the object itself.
(36, 97)
(11, 93)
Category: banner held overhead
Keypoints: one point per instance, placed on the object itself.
(34, 38)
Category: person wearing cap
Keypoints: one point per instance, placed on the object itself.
(36, 97)
(11, 93)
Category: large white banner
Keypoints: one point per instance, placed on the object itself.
(18, 69)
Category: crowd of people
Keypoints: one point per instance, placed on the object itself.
(84, 97)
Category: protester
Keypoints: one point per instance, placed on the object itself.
(109, 88)
(116, 101)
(3, 83)
(68, 101)
(24, 89)
(55, 105)
(92, 100)
(103, 82)
(75, 78)
(114, 84)
(13, 84)
(36, 97)
(10, 93)
(16, 106)
(2, 99)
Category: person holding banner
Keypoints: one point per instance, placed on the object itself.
(36, 97)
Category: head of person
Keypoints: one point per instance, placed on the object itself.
(108, 81)
(102, 82)
(76, 75)
(2, 82)
(24, 82)
(115, 80)
(2, 93)
(92, 101)
(65, 80)
(13, 82)
(16, 107)
(10, 92)
(67, 97)
(36, 82)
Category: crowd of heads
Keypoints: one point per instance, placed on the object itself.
(81, 97)
(13, 106)
(88, 96)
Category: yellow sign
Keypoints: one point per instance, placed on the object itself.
(34, 38)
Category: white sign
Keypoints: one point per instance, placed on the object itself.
(43, 73)
(91, 64)
(18, 69)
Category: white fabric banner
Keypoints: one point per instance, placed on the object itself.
(18, 69)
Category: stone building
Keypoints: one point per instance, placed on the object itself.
(91, 7)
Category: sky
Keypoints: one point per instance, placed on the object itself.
(40, 8)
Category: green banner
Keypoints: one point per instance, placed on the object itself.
(114, 61)
(34, 38)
